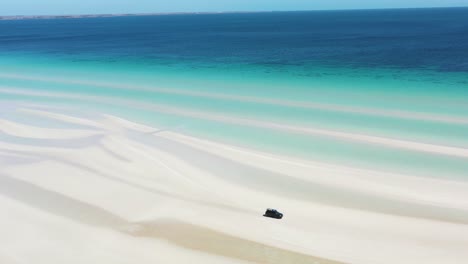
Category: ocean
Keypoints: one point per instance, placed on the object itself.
(383, 90)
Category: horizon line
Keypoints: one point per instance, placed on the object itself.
(97, 15)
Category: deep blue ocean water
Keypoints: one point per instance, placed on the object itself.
(406, 38)
(398, 74)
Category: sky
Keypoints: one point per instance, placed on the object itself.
(61, 7)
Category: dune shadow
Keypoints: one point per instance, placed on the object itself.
(203, 239)
(56, 203)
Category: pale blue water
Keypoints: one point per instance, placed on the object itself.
(410, 64)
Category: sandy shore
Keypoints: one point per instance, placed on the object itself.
(79, 189)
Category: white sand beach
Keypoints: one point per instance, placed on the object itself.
(80, 189)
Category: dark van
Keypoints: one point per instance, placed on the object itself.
(272, 213)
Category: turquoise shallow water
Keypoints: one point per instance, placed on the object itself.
(389, 103)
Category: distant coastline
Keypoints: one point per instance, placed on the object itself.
(78, 16)
(21, 17)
